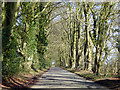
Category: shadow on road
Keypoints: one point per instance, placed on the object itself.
(112, 84)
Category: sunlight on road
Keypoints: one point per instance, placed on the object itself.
(59, 78)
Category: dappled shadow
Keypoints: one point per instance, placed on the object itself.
(51, 81)
(70, 83)
(87, 78)
(14, 83)
(57, 78)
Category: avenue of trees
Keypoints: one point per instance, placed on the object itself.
(24, 37)
(77, 35)
(90, 37)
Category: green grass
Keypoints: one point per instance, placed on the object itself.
(92, 76)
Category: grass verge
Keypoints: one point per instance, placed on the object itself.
(110, 81)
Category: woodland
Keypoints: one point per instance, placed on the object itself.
(74, 35)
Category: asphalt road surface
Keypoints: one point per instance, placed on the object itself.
(59, 78)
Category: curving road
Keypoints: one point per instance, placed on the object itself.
(59, 78)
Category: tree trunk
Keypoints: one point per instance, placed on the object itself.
(73, 45)
(96, 60)
(8, 23)
(86, 49)
(118, 64)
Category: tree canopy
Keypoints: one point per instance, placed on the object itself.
(80, 35)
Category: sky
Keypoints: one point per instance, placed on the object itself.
(109, 44)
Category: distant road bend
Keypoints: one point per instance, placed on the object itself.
(59, 78)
